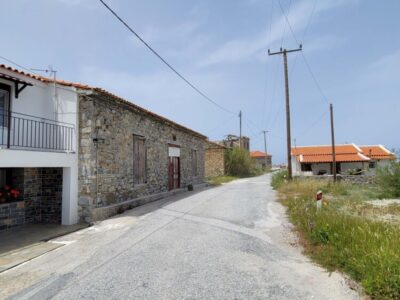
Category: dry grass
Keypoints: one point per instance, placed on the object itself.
(342, 235)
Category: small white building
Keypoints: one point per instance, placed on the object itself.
(318, 160)
(38, 150)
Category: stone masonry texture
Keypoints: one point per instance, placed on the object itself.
(214, 160)
(106, 174)
(40, 200)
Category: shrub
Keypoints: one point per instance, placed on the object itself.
(278, 178)
(388, 179)
(238, 162)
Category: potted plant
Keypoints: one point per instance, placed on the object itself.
(8, 194)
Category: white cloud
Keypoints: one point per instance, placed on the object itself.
(383, 71)
(242, 49)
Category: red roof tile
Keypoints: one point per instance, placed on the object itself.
(314, 154)
(377, 152)
(258, 154)
(102, 91)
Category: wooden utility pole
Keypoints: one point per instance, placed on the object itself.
(265, 147)
(288, 133)
(240, 129)
(333, 145)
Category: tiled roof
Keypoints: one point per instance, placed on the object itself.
(377, 152)
(44, 79)
(258, 154)
(358, 157)
(80, 86)
(314, 154)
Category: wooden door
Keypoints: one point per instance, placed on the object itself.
(139, 160)
(173, 172)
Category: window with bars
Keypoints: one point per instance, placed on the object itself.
(139, 159)
(194, 162)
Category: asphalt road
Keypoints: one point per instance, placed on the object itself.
(229, 242)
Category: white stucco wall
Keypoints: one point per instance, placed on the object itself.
(39, 101)
(346, 167)
(296, 168)
(316, 168)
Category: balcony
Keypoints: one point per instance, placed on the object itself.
(25, 132)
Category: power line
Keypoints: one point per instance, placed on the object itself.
(315, 79)
(287, 21)
(314, 123)
(164, 61)
(304, 58)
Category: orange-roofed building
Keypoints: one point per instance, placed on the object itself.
(262, 160)
(318, 160)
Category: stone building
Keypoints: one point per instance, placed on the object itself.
(214, 160)
(261, 160)
(128, 155)
(70, 152)
(232, 140)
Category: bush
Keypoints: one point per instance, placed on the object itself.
(278, 178)
(239, 163)
(388, 179)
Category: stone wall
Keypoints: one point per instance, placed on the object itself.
(260, 162)
(215, 161)
(106, 131)
(356, 179)
(32, 193)
(12, 214)
(51, 198)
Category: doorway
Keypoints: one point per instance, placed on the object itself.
(174, 177)
(174, 167)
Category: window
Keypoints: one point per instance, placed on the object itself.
(3, 178)
(139, 159)
(4, 103)
(372, 165)
(194, 162)
(306, 168)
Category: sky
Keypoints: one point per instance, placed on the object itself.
(350, 58)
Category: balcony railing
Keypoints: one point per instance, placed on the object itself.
(22, 131)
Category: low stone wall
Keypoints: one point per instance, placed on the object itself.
(355, 179)
(101, 213)
(12, 214)
(359, 179)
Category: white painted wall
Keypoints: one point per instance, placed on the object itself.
(317, 167)
(39, 101)
(296, 168)
(346, 167)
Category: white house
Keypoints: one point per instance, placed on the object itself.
(38, 150)
(350, 158)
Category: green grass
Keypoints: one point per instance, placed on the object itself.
(340, 239)
(220, 180)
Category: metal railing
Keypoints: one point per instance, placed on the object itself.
(22, 131)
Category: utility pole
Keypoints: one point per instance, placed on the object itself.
(265, 147)
(288, 133)
(240, 129)
(333, 145)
